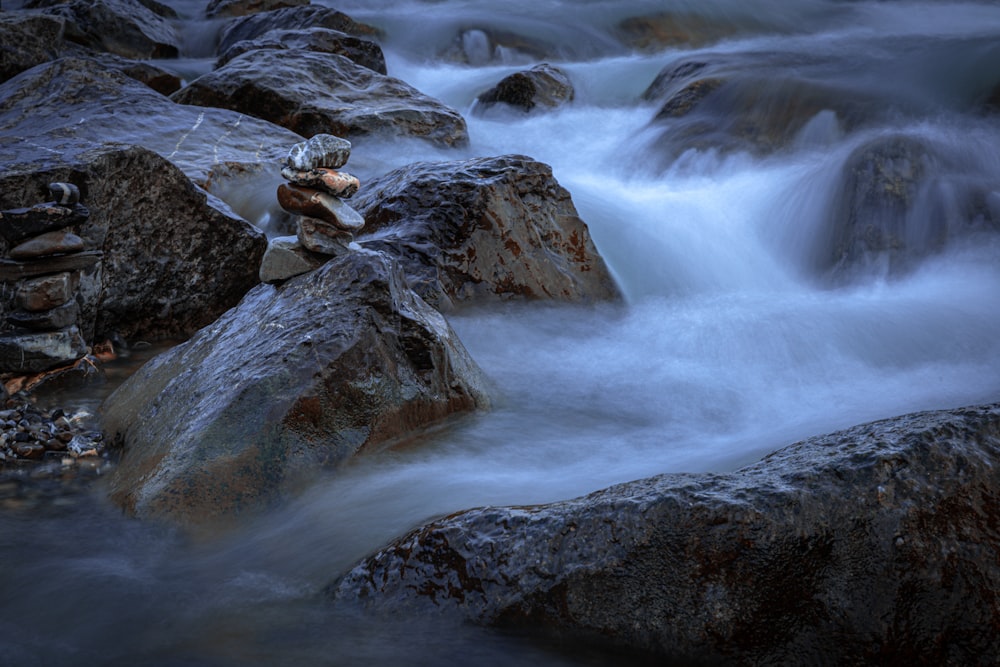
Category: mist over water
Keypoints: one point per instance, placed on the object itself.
(733, 339)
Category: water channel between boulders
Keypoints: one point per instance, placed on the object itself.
(738, 333)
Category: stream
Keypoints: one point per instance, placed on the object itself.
(735, 337)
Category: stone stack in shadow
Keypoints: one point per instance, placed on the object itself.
(40, 277)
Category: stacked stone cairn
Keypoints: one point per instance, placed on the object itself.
(40, 278)
(315, 192)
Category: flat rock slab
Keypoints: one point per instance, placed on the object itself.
(322, 93)
(873, 545)
(294, 379)
(482, 230)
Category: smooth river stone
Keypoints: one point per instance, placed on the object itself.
(324, 238)
(321, 150)
(315, 204)
(49, 320)
(64, 194)
(46, 292)
(331, 181)
(36, 352)
(50, 243)
(22, 223)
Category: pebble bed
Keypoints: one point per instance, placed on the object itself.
(30, 433)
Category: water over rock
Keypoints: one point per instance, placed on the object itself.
(364, 52)
(291, 18)
(542, 86)
(481, 230)
(295, 378)
(323, 93)
(214, 147)
(205, 257)
(130, 28)
(876, 544)
(901, 199)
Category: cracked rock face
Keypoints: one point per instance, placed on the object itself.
(870, 545)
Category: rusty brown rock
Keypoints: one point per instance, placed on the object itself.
(487, 229)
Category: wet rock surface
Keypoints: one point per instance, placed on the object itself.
(364, 52)
(237, 8)
(129, 28)
(206, 256)
(482, 230)
(312, 93)
(43, 106)
(294, 379)
(873, 544)
(541, 87)
(291, 18)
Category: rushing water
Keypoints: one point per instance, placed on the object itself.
(733, 339)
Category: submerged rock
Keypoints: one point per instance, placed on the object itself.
(899, 200)
(487, 229)
(876, 544)
(296, 378)
(322, 93)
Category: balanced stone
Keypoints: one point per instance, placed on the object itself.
(21, 223)
(286, 258)
(321, 150)
(322, 237)
(46, 292)
(65, 194)
(11, 270)
(50, 243)
(337, 183)
(36, 352)
(315, 204)
(49, 320)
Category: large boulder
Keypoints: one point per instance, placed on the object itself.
(45, 105)
(322, 93)
(481, 230)
(291, 18)
(129, 28)
(294, 379)
(174, 257)
(873, 545)
(364, 52)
